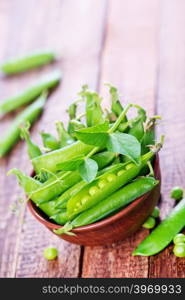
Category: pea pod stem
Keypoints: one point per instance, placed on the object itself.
(30, 94)
(164, 233)
(25, 63)
(30, 114)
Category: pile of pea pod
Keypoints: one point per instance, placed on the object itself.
(97, 165)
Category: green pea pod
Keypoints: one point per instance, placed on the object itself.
(61, 217)
(103, 158)
(110, 205)
(104, 185)
(149, 135)
(61, 202)
(49, 141)
(32, 148)
(72, 110)
(64, 137)
(29, 185)
(30, 61)
(94, 113)
(55, 186)
(30, 94)
(137, 125)
(116, 106)
(74, 125)
(164, 233)
(30, 114)
(50, 160)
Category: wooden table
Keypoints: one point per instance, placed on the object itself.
(139, 46)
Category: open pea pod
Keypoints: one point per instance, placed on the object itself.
(104, 185)
(61, 202)
(117, 200)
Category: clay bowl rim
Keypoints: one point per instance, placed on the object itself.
(99, 224)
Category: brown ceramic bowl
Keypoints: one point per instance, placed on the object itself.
(111, 229)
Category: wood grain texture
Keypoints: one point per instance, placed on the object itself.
(139, 46)
(74, 30)
(129, 62)
(170, 104)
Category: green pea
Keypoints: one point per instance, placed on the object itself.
(93, 190)
(179, 250)
(149, 223)
(102, 183)
(156, 212)
(179, 239)
(120, 172)
(50, 253)
(111, 177)
(129, 166)
(85, 199)
(177, 193)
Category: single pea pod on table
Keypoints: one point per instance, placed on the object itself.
(31, 93)
(27, 62)
(164, 233)
(30, 114)
(117, 200)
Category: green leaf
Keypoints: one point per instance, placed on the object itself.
(125, 144)
(88, 169)
(96, 135)
(70, 165)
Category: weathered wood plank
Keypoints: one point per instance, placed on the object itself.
(74, 30)
(129, 62)
(170, 104)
